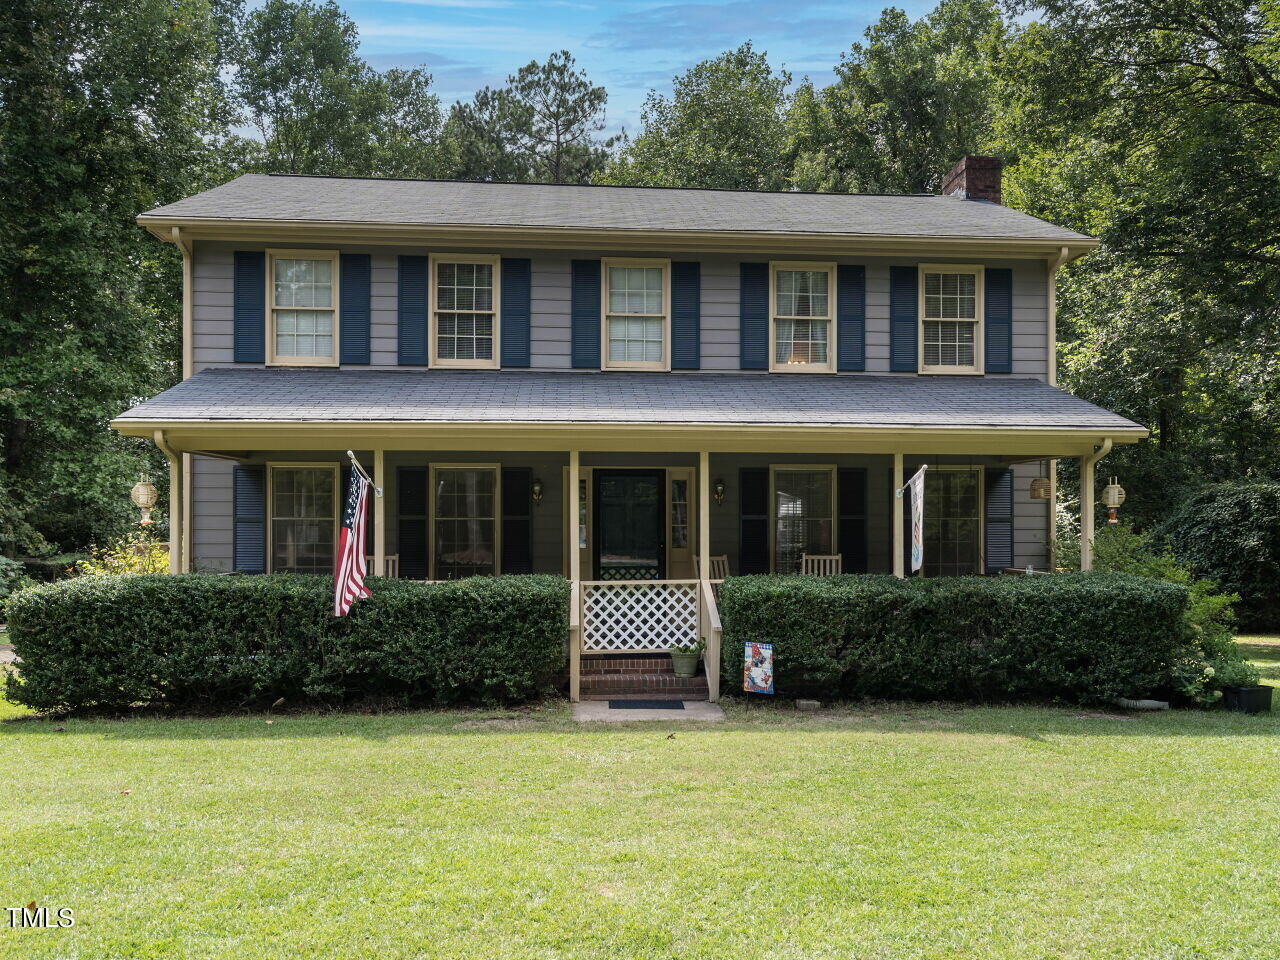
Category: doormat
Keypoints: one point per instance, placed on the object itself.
(646, 704)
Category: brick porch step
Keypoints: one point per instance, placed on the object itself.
(653, 685)
(605, 664)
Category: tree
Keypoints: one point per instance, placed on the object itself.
(541, 127)
(906, 104)
(723, 126)
(320, 109)
(108, 109)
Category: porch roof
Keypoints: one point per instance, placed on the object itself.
(296, 396)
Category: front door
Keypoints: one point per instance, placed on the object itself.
(629, 521)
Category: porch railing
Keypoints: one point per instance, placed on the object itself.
(643, 616)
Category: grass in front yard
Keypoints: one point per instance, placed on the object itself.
(891, 831)
(1264, 653)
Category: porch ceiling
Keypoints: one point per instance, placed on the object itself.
(255, 408)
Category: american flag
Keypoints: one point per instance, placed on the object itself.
(348, 572)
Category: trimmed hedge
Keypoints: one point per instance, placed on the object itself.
(1230, 533)
(206, 641)
(1073, 637)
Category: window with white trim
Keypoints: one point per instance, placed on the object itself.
(464, 311)
(802, 331)
(304, 518)
(952, 521)
(951, 317)
(803, 514)
(302, 307)
(636, 317)
(464, 518)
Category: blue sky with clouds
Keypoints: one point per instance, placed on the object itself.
(629, 46)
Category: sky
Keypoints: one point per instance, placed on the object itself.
(627, 46)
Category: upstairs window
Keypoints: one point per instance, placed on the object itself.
(302, 296)
(636, 316)
(803, 335)
(464, 311)
(951, 311)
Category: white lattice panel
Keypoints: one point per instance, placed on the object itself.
(639, 616)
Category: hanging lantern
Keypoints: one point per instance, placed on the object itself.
(144, 497)
(1041, 488)
(1112, 497)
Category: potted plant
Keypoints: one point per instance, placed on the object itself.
(684, 658)
(1241, 691)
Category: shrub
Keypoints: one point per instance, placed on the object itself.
(1073, 637)
(208, 641)
(13, 577)
(1230, 533)
(134, 554)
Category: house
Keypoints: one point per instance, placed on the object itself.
(637, 388)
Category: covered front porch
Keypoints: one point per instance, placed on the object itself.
(596, 478)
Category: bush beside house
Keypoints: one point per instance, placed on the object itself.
(1230, 533)
(1072, 637)
(217, 641)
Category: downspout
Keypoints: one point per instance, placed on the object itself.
(1087, 464)
(175, 502)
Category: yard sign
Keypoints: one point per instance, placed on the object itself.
(757, 668)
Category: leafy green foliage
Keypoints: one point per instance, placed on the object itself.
(1231, 533)
(321, 109)
(724, 125)
(13, 577)
(1072, 637)
(135, 554)
(222, 641)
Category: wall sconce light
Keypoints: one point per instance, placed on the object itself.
(536, 490)
(719, 489)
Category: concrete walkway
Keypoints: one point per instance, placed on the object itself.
(6, 653)
(599, 711)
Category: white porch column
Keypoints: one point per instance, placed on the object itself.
(899, 565)
(1086, 513)
(575, 576)
(379, 515)
(571, 521)
(704, 516)
(176, 510)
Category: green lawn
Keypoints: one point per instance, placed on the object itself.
(878, 832)
(1265, 654)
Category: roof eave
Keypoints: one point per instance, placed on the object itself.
(312, 231)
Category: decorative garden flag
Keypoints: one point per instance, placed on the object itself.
(916, 486)
(348, 573)
(757, 668)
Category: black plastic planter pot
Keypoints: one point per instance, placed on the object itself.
(1247, 699)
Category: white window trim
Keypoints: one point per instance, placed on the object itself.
(605, 362)
(272, 467)
(979, 321)
(496, 468)
(434, 358)
(285, 254)
(773, 502)
(830, 365)
(982, 508)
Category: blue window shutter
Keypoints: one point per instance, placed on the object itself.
(753, 520)
(411, 522)
(249, 522)
(999, 519)
(753, 316)
(353, 309)
(411, 306)
(517, 310)
(904, 309)
(517, 509)
(584, 312)
(851, 319)
(686, 315)
(249, 310)
(998, 309)
(851, 529)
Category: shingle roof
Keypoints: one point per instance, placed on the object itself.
(506, 396)
(456, 203)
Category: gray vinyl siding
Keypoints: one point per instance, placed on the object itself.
(1030, 520)
(550, 321)
(211, 514)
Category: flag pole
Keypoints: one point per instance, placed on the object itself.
(355, 465)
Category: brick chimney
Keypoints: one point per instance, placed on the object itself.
(974, 178)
